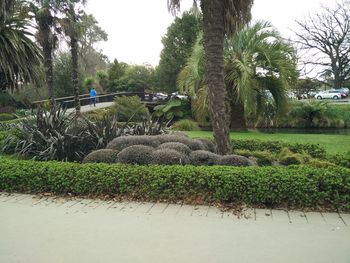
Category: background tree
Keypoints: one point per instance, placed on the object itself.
(91, 33)
(326, 35)
(307, 86)
(20, 57)
(219, 17)
(48, 27)
(257, 60)
(177, 46)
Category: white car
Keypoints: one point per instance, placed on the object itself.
(179, 96)
(329, 94)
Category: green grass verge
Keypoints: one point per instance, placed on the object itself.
(332, 143)
(292, 186)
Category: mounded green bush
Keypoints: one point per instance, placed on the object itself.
(235, 160)
(177, 146)
(130, 108)
(313, 150)
(169, 157)
(123, 142)
(136, 154)
(341, 159)
(204, 158)
(286, 157)
(291, 186)
(185, 125)
(320, 164)
(101, 156)
(192, 143)
(264, 158)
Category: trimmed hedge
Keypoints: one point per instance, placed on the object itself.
(314, 150)
(291, 186)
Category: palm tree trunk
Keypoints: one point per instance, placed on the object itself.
(213, 35)
(48, 65)
(237, 120)
(74, 52)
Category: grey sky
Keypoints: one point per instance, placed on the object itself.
(135, 27)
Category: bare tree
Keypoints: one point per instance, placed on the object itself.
(326, 35)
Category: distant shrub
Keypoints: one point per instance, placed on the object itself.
(286, 157)
(235, 160)
(208, 144)
(341, 159)
(192, 143)
(177, 146)
(101, 156)
(130, 108)
(320, 164)
(264, 158)
(169, 157)
(7, 117)
(123, 142)
(204, 158)
(185, 125)
(314, 150)
(136, 154)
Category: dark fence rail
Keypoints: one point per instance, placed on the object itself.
(68, 102)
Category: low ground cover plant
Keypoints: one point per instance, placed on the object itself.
(292, 186)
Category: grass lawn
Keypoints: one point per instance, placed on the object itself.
(333, 143)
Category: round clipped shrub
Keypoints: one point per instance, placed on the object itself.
(177, 146)
(208, 144)
(123, 142)
(169, 156)
(290, 159)
(203, 158)
(101, 156)
(136, 154)
(192, 143)
(235, 160)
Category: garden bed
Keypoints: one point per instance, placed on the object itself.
(292, 186)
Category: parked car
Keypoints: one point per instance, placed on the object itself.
(344, 91)
(329, 94)
(179, 96)
(160, 97)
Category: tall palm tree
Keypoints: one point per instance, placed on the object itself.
(256, 60)
(20, 58)
(71, 28)
(47, 22)
(220, 17)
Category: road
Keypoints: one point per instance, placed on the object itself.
(54, 230)
(88, 108)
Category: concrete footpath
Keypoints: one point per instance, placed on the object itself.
(49, 229)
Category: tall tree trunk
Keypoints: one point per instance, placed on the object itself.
(74, 52)
(44, 19)
(237, 121)
(213, 35)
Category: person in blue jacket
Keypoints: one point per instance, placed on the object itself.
(93, 97)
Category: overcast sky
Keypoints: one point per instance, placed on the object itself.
(135, 27)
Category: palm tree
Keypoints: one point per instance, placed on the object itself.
(72, 27)
(20, 58)
(220, 17)
(44, 13)
(256, 60)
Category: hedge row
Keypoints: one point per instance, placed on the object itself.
(300, 186)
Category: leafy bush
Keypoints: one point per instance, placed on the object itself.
(101, 156)
(320, 164)
(292, 186)
(169, 157)
(130, 108)
(313, 150)
(7, 117)
(56, 135)
(204, 158)
(192, 143)
(286, 157)
(235, 160)
(177, 146)
(123, 142)
(174, 108)
(341, 159)
(264, 158)
(185, 125)
(136, 154)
